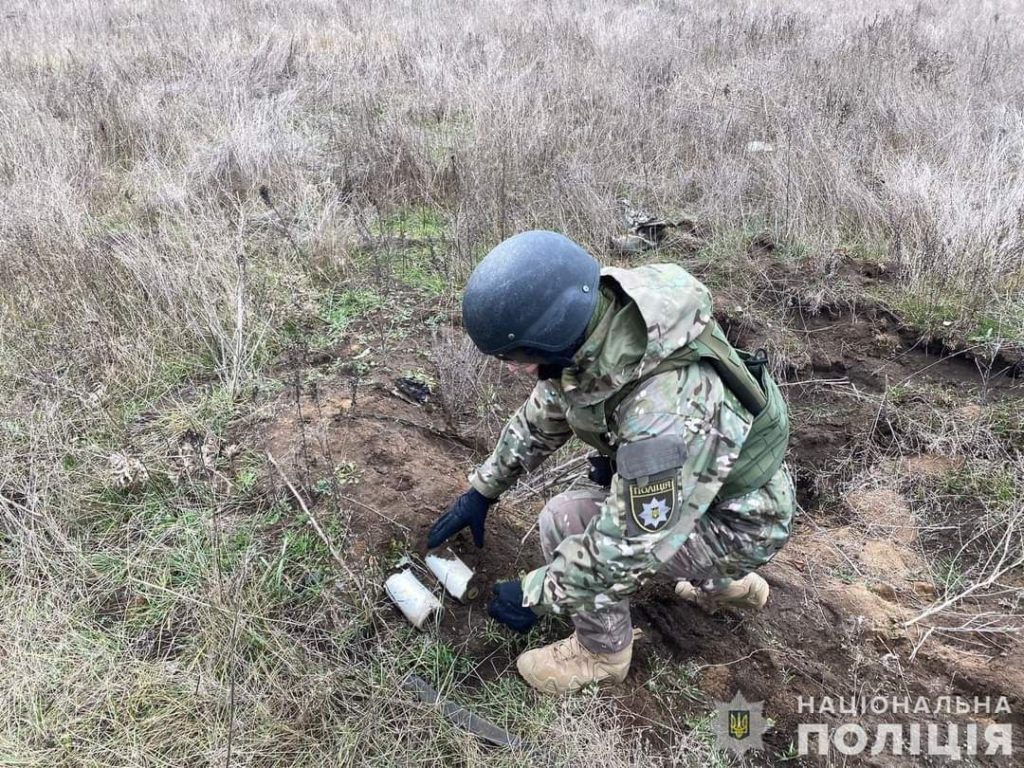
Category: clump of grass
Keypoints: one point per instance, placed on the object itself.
(996, 326)
(339, 310)
(470, 386)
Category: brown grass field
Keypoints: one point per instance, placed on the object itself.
(227, 229)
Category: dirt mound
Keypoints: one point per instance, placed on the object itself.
(401, 464)
(883, 512)
(885, 559)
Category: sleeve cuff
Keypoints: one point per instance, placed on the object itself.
(533, 590)
(490, 490)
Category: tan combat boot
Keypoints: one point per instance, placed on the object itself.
(750, 592)
(566, 666)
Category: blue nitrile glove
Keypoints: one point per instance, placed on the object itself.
(507, 606)
(470, 509)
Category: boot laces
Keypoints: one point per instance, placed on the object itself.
(567, 649)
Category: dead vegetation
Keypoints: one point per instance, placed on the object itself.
(215, 213)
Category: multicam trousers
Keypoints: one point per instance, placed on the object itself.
(733, 538)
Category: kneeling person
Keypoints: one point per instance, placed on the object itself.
(691, 435)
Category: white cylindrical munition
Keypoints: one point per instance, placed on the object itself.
(413, 599)
(454, 575)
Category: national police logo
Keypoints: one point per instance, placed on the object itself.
(739, 724)
(651, 505)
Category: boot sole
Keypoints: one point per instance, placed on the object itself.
(554, 690)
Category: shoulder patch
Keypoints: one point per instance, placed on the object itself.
(649, 469)
(651, 506)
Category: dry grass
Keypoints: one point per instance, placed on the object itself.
(955, 485)
(136, 253)
(134, 143)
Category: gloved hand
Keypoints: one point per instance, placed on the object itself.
(507, 606)
(600, 471)
(470, 509)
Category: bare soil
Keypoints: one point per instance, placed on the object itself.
(854, 572)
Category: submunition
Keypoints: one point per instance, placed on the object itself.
(412, 598)
(455, 576)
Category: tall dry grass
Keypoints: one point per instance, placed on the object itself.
(135, 251)
(133, 139)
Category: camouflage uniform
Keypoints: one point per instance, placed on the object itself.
(675, 437)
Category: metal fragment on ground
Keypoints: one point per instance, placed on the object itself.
(412, 390)
(463, 718)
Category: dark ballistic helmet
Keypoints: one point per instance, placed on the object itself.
(531, 298)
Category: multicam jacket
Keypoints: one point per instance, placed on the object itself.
(675, 437)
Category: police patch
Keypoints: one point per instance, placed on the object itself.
(649, 468)
(651, 505)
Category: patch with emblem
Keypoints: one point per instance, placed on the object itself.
(651, 505)
(650, 467)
